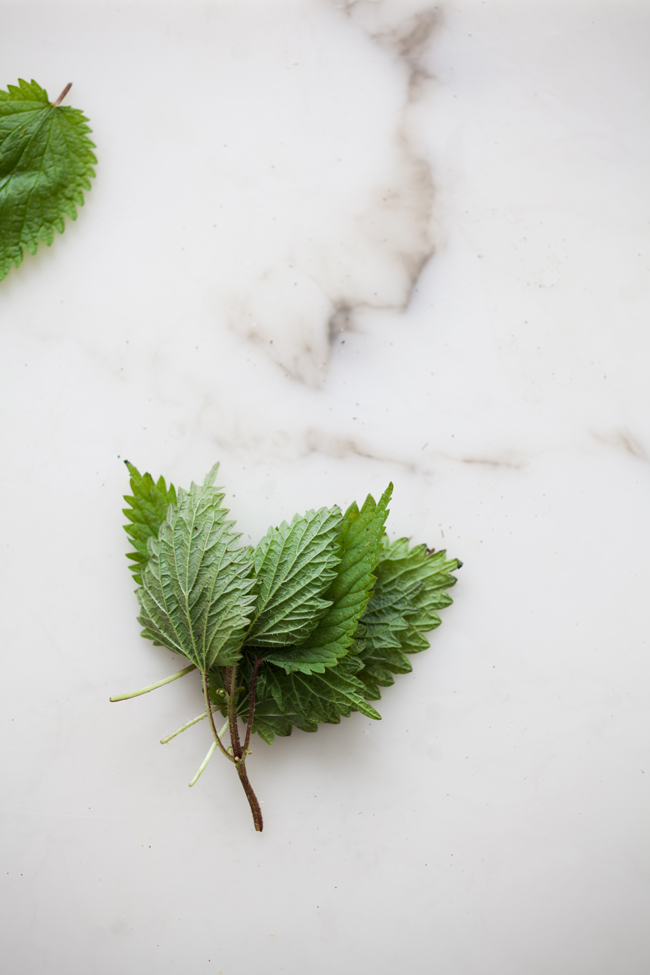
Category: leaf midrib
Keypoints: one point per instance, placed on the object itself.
(185, 589)
(47, 113)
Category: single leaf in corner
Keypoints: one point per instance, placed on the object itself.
(46, 161)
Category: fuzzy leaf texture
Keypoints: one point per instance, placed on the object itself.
(304, 700)
(46, 162)
(196, 593)
(411, 587)
(147, 509)
(361, 542)
(294, 566)
(380, 599)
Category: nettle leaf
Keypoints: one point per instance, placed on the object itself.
(411, 587)
(303, 630)
(361, 543)
(148, 508)
(46, 161)
(305, 700)
(196, 587)
(294, 565)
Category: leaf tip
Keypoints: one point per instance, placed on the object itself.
(210, 477)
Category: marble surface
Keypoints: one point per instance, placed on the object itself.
(332, 244)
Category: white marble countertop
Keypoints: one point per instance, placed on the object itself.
(333, 244)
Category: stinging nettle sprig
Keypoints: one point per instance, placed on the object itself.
(301, 630)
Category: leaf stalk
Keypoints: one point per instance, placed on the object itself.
(153, 687)
(208, 708)
(204, 763)
(188, 724)
(62, 95)
(184, 727)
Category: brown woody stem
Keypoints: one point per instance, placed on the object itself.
(232, 712)
(251, 704)
(230, 682)
(250, 795)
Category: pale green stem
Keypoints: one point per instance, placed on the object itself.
(204, 763)
(208, 711)
(163, 741)
(152, 687)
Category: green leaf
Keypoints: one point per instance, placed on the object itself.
(361, 540)
(324, 612)
(46, 162)
(148, 507)
(294, 565)
(411, 587)
(196, 587)
(287, 699)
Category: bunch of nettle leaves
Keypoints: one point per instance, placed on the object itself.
(303, 628)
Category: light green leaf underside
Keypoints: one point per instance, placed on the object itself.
(148, 506)
(411, 587)
(201, 591)
(46, 161)
(196, 593)
(361, 540)
(294, 565)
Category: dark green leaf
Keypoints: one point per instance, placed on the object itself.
(411, 586)
(294, 565)
(304, 700)
(361, 540)
(46, 162)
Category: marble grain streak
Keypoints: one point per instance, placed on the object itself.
(366, 232)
